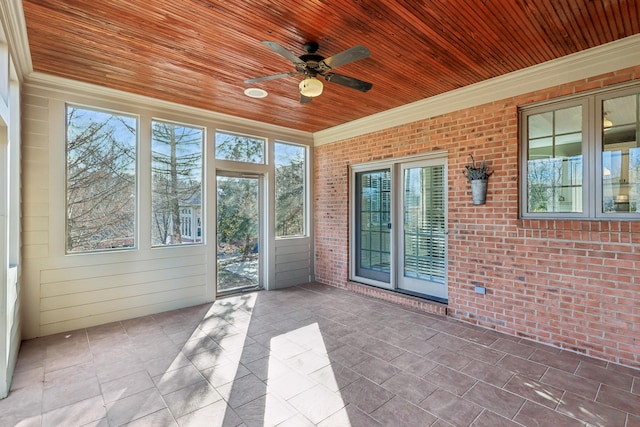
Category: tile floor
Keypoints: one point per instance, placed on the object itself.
(310, 355)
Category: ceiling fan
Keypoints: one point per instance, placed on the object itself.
(312, 66)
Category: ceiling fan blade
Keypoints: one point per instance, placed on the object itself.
(305, 99)
(353, 54)
(283, 52)
(347, 81)
(265, 78)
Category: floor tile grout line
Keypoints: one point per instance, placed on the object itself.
(560, 400)
(518, 412)
(595, 399)
(449, 333)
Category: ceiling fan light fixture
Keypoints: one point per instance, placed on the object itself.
(310, 87)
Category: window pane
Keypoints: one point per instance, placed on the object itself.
(424, 223)
(240, 148)
(620, 155)
(568, 120)
(176, 180)
(554, 161)
(373, 235)
(290, 163)
(101, 180)
(540, 125)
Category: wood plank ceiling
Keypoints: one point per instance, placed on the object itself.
(199, 52)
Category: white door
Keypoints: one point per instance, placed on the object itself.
(422, 263)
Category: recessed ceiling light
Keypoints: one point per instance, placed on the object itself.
(254, 92)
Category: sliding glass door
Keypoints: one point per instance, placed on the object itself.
(409, 253)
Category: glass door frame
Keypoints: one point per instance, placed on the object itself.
(396, 167)
(402, 281)
(355, 247)
(262, 227)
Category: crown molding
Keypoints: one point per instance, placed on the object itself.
(599, 60)
(15, 30)
(64, 89)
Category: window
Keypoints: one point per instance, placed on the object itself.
(621, 154)
(581, 157)
(554, 160)
(290, 173)
(240, 148)
(176, 179)
(101, 180)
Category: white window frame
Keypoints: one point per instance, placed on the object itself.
(203, 179)
(136, 207)
(306, 186)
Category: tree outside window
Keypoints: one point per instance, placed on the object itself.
(237, 205)
(176, 176)
(290, 171)
(101, 180)
(239, 148)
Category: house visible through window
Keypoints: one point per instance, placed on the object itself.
(176, 180)
(100, 180)
(581, 157)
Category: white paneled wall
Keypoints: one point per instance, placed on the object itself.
(86, 294)
(64, 292)
(35, 206)
(292, 262)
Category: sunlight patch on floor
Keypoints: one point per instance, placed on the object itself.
(303, 350)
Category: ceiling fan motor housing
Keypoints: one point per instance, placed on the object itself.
(311, 47)
(313, 64)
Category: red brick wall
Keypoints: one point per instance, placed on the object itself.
(573, 284)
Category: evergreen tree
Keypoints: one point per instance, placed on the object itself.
(177, 176)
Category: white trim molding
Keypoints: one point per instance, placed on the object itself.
(15, 29)
(602, 59)
(59, 85)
